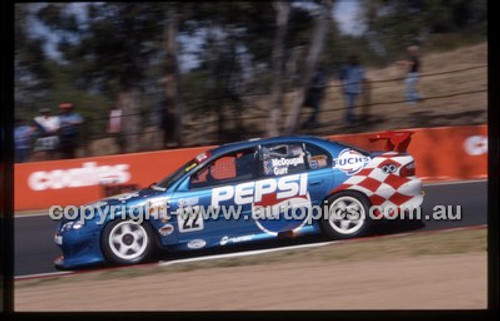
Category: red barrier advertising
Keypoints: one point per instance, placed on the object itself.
(77, 181)
(442, 153)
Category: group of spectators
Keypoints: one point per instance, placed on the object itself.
(48, 136)
(353, 81)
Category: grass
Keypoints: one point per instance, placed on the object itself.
(455, 242)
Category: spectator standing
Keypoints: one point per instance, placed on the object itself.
(115, 127)
(314, 95)
(47, 142)
(46, 123)
(167, 123)
(22, 139)
(70, 122)
(412, 65)
(352, 76)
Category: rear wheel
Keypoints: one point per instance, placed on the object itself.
(127, 242)
(347, 215)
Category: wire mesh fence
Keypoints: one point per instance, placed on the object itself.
(204, 125)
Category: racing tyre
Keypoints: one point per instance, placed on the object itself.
(126, 242)
(347, 215)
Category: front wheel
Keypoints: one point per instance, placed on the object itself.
(347, 215)
(127, 242)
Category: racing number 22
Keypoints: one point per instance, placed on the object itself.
(189, 222)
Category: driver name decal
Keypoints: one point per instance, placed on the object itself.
(279, 166)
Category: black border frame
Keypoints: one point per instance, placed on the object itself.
(493, 161)
(7, 159)
(6, 219)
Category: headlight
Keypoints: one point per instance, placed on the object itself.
(73, 225)
(58, 239)
(77, 225)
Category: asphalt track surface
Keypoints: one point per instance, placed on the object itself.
(35, 250)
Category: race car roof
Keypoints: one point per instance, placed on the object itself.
(226, 148)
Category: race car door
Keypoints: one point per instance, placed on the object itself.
(298, 186)
(320, 178)
(212, 190)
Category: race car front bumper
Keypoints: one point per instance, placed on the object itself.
(79, 247)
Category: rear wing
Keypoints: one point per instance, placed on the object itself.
(396, 141)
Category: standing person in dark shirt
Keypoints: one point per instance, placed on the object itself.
(22, 138)
(167, 122)
(70, 122)
(412, 66)
(314, 96)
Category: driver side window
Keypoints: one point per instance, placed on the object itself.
(230, 168)
(282, 159)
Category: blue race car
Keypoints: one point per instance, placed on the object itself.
(245, 192)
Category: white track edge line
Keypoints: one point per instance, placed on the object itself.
(40, 275)
(245, 253)
(31, 215)
(467, 181)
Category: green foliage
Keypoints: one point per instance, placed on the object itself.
(394, 24)
(93, 107)
(32, 78)
(121, 45)
(115, 49)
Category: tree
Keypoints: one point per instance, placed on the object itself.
(172, 92)
(282, 8)
(234, 42)
(394, 24)
(32, 77)
(111, 53)
(318, 39)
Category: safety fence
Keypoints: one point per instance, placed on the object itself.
(372, 82)
(441, 153)
(202, 128)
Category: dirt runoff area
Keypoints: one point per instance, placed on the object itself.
(429, 271)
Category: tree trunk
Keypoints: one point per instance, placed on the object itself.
(293, 62)
(172, 92)
(319, 35)
(282, 8)
(128, 102)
